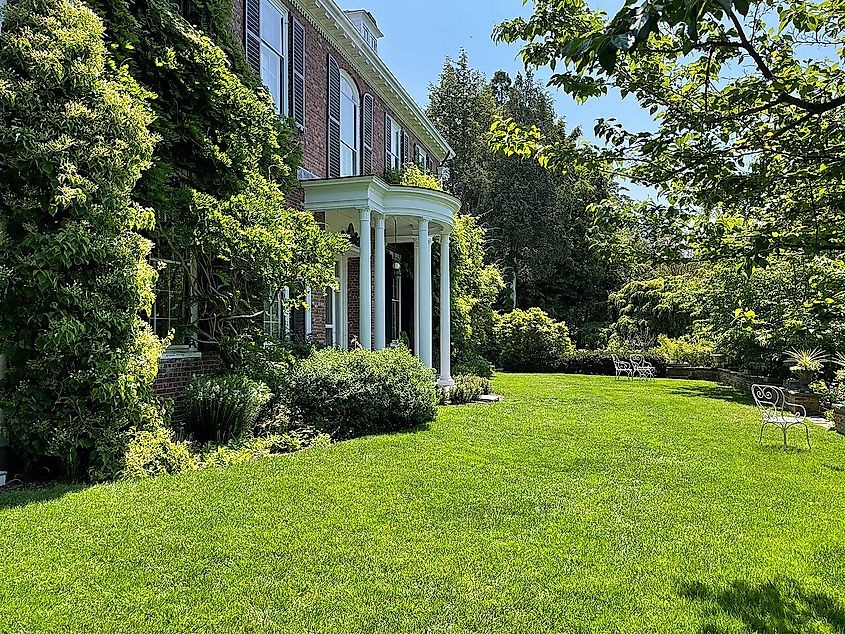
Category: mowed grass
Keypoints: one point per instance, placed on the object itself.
(579, 504)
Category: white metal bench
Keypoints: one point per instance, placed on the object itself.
(643, 368)
(775, 410)
(622, 367)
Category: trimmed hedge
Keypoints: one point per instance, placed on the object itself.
(350, 393)
(600, 362)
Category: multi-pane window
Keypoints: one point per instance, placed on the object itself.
(394, 154)
(274, 318)
(369, 38)
(171, 312)
(349, 126)
(421, 158)
(273, 47)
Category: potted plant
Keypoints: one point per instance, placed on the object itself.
(718, 359)
(805, 365)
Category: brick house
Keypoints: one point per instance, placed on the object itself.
(358, 123)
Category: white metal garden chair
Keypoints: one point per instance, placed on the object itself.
(622, 367)
(642, 368)
(775, 410)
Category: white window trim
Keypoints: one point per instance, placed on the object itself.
(395, 152)
(285, 53)
(356, 137)
(182, 351)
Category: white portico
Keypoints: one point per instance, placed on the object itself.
(397, 222)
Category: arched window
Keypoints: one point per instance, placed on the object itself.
(349, 125)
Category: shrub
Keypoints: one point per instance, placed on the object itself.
(600, 362)
(685, 349)
(154, 452)
(531, 341)
(254, 449)
(467, 389)
(357, 392)
(594, 335)
(274, 419)
(223, 408)
(473, 365)
(74, 277)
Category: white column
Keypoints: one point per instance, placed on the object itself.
(445, 313)
(365, 279)
(381, 287)
(424, 286)
(343, 339)
(309, 322)
(417, 293)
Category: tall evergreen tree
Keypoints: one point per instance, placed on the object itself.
(462, 107)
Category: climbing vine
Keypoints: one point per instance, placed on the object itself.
(221, 170)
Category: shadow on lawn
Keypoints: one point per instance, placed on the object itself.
(36, 494)
(719, 392)
(783, 606)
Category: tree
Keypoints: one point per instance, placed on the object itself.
(74, 277)
(748, 98)
(541, 218)
(462, 107)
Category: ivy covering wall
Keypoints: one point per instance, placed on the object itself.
(129, 136)
(220, 171)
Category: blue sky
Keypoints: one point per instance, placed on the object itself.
(418, 36)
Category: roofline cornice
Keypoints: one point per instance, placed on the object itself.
(330, 20)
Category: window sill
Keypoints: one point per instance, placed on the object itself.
(181, 352)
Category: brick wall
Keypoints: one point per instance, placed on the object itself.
(314, 139)
(174, 374)
(353, 298)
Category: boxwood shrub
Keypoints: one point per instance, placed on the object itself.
(349, 393)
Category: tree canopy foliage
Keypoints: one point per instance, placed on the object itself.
(748, 97)
(537, 220)
(74, 276)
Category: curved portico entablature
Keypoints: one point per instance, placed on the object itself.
(381, 219)
(342, 198)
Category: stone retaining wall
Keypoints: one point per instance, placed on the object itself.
(743, 383)
(839, 418)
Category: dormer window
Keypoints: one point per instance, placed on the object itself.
(365, 24)
(369, 38)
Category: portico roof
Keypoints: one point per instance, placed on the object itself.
(347, 196)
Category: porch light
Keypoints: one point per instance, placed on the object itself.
(397, 269)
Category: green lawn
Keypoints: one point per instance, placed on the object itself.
(579, 504)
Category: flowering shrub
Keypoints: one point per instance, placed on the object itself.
(223, 408)
(74, 277)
